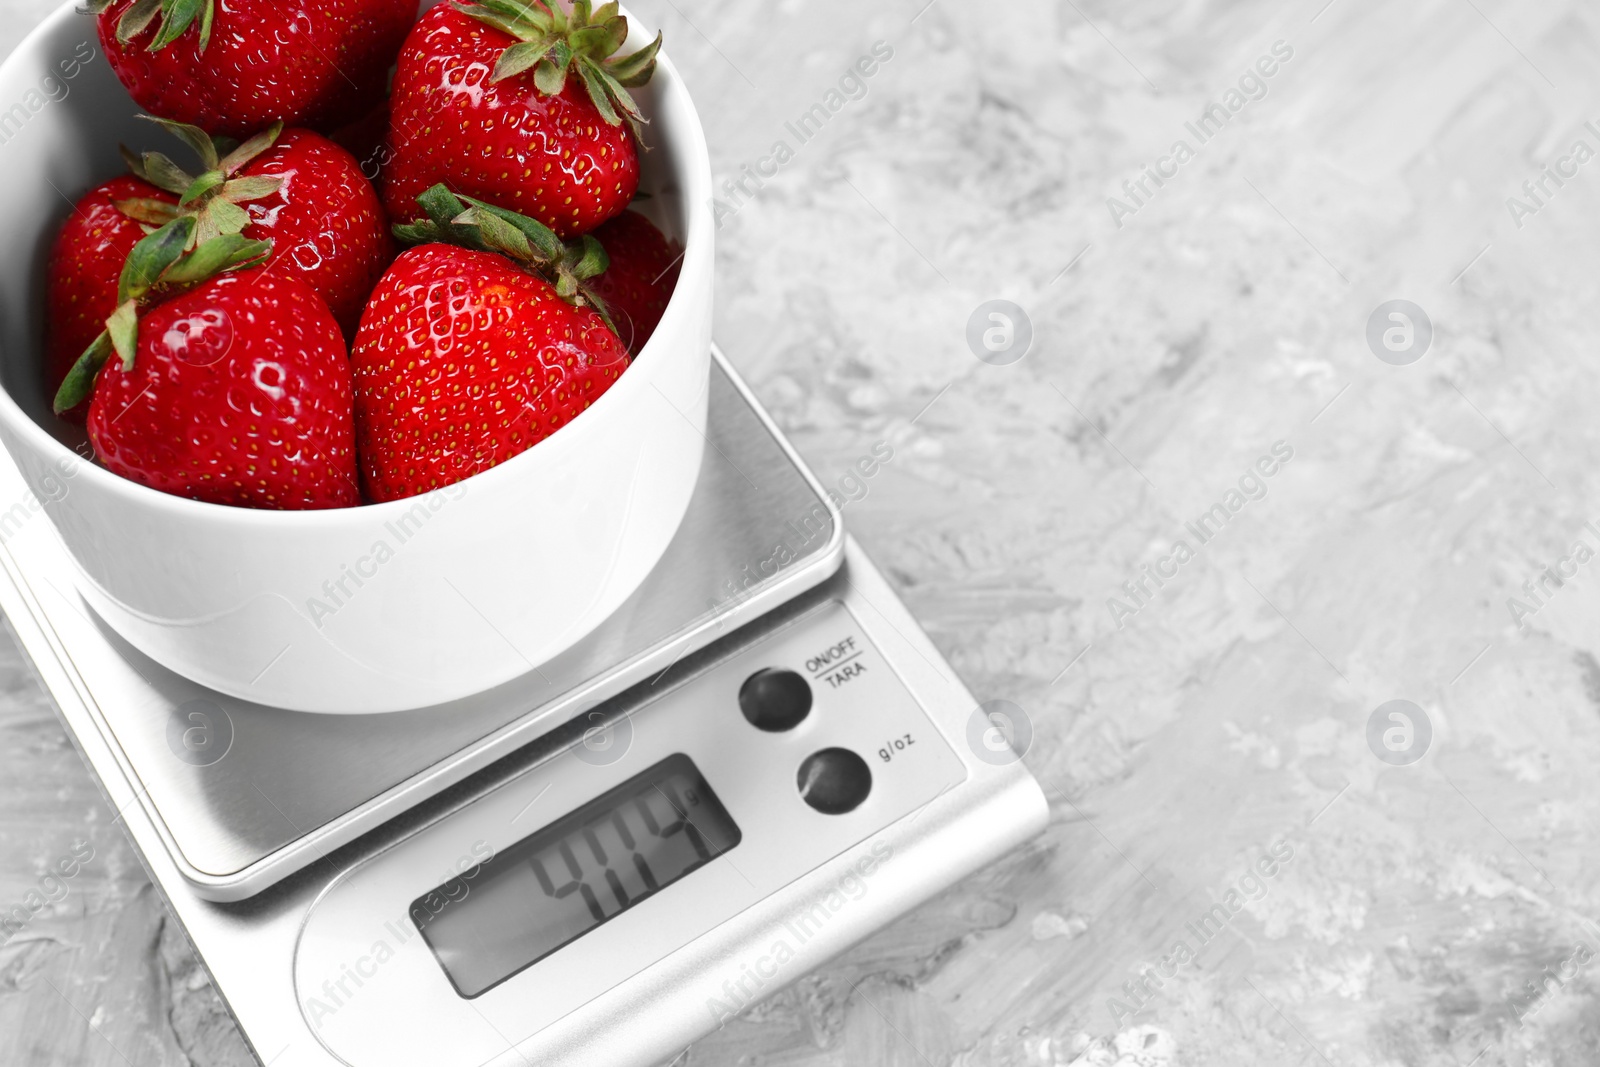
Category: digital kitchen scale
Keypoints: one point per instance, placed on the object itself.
(758, 761)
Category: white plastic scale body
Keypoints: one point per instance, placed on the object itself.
(758, 762)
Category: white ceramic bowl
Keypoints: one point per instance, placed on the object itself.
(477, 584)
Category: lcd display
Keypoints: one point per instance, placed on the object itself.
(564, 880)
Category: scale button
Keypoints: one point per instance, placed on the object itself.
(775, 699)
(834, 780)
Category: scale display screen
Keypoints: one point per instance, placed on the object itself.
(562, 881)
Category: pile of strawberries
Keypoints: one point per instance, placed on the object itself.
(241, 330)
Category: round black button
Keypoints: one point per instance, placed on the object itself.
(834, 780)
(775, 699)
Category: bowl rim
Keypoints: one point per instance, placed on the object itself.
(687, 136)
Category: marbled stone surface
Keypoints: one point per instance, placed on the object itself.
(1412, 909)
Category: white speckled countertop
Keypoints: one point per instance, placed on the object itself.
(1232, 874)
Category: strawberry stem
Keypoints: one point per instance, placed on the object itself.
(554, 44)
(176, 16)
(469, 223)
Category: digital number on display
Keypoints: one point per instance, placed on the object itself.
(580, 871)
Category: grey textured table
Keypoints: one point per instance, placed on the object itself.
(1204, 740)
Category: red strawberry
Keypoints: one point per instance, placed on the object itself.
(637, 285)
(233, 67)
(325, 222)
(239, 394)
(233, 388)
(296, 189)
(560, 149)
(85, 263)
(466, 358)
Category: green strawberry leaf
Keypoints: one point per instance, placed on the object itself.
(176, 17)
(558, 15)
(206, 19)
(252, 148)
(524, 21)
(152, 256)
(202, 185)
(600, 41)
(416, 233)
(519, 57)
(149, 212)
(135, 20)
(163, 173)
(586, 257)
(220, 218)
(197, 139)
(528, 13)
(542, 237)
(598, 93)
(213, 257)
(123, 327)
(499, 235)
(254, 187)
(624, 100)
(79, 382)
(441, 205)
(551, 75)
(635, 70)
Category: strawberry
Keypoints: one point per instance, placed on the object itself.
(522, 105)
(85, 262)
(468, 354)
(235, 66)
(294, 188)
(239, 394)
(327, 220)
(637, 285)
(233, 387)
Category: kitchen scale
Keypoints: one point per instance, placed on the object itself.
(759, 760)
